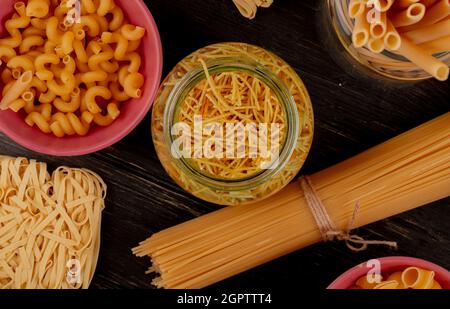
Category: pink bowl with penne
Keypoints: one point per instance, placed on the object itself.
(132, 110)
(394, 268)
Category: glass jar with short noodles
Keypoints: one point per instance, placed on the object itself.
(336, 29)
(226, 184)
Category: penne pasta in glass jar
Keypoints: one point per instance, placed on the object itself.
(232, 123)
(393, 41)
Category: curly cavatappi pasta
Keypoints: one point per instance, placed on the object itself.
(66, 70)
(49, 225)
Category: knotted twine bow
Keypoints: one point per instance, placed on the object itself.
(327, 227)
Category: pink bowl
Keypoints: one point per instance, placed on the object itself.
(132, 112)
(389, 265)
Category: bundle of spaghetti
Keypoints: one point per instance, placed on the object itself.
(405, 172)
(248, 8)
(416, 30)
(49, 225)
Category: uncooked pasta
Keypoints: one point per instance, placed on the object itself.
(237, 92)
(409, 278)
(248, 8)
(403, 173)
(49, 225)
(235, 98)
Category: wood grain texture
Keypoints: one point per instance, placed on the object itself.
(350, 117)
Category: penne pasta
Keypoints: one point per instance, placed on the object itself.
(378, 28)
(17, 105)
(410, 278)
(356, 8)
(27, 96)
(376, 45)
(361, 31)
(411, 15)
(428, 3)
(436, 286)
(364, 283)
(383, 5)
(392, 39)
(397, 277)
(434, 67)
(416, 278)
(437, 12)
(417, 21)
(404, 4)
(437, 46)
(387, 285)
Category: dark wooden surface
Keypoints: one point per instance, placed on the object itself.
(350, 117)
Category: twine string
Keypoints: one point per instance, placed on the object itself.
(328, 228)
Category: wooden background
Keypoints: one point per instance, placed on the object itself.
(350, 117)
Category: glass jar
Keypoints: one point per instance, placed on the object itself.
(336, 28)
(269, 69)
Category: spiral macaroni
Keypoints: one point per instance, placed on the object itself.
(57, 67)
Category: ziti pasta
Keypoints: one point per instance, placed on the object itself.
(49, 225)
(69, 65)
